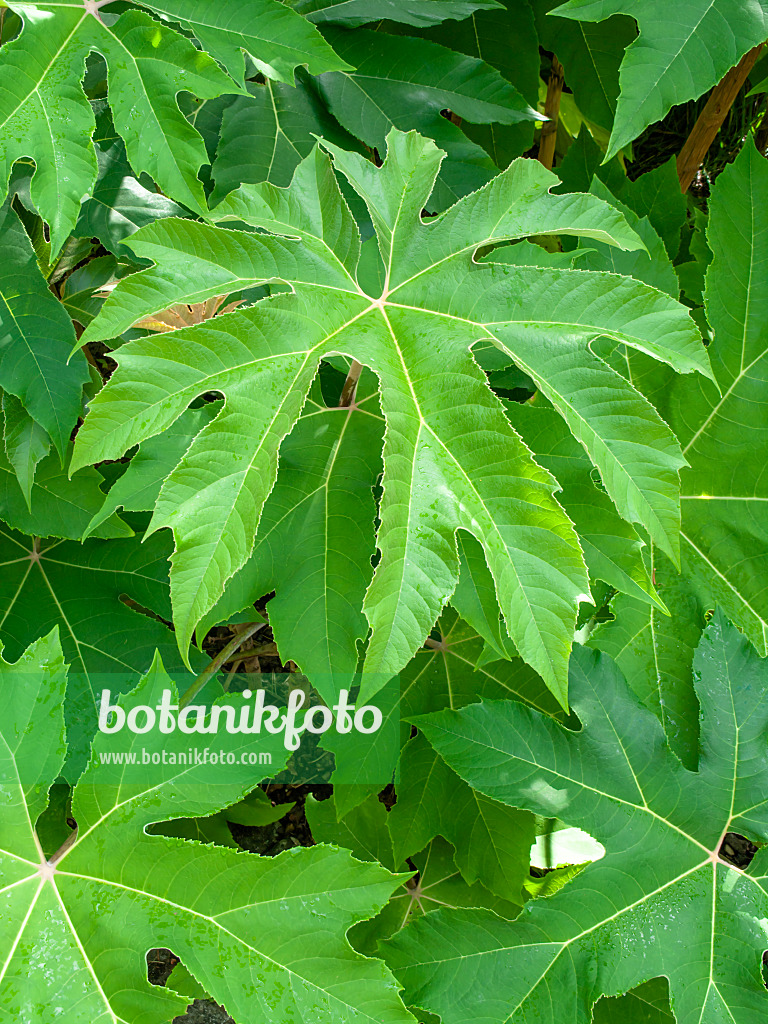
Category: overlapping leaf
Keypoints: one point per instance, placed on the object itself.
(590, 54)
(406, 82)
(277, 39)
(119, 204)
(655, 652)
(503, 37)
(26, 443)
(94, 909)
(612, 548)
(723, 430)
(35, 336)
(55, 505)
(662, 901)
(492, 841)
(683, 49)
(266, 134)
(439, 883)
(437, 302)
(45, 115)
(354, 13)
(315, 544)
(107, 599)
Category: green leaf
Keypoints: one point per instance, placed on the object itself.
(724, 539)
(106, 599)
(57, 506)
(448, 673)
(662, 901)
(653, 266)
(475, 597)
(36, 337)
(647, 1004)
(276, 38)
(406, 82)
(655, 194)
(315, 543)
(492, 842)
(680, 53)
(82, 291)
(655, 651)
(254, 810)
(529, 254)
(591, 55)
(639, 464)
(45, 115)
(259, 915)
(35, 757)
(724, 531)
(612, 548)
(362, 830)
(137, 489)
(437, 303)
(422, 13)
(119, 204)
(504, 38)
(265, 135)
(26, 443)
(438, 883)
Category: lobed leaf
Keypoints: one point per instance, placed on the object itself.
(451, 459)
(662, 901)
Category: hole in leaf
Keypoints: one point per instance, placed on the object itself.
(135, 606)
(737, 850)
(160, 963)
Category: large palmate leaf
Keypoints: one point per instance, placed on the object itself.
(437, 302)
(492, 841)
(683, 49)
(55, 506)
(662, 901)
(138, 487)
(452, 670)
(96, 906)
(45, 115)
(724, 433)
(35, 338)
(119, 204)
(655, 194)
(365, 832)
(105, 597)
(26, 443)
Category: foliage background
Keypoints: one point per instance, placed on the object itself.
(357, 492)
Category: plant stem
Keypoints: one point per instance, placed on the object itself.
(552, 111)
(712, 116)
(350, 385)
(223, 656)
